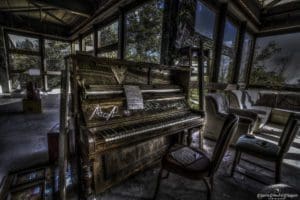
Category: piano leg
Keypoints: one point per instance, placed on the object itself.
(87, 175)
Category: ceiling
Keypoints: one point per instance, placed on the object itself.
(64, 18)
(64, 14)
(273, 3)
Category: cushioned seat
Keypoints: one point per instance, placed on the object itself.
(187, 161)
(261, 148)
(272, 128)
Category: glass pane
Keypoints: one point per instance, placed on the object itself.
(88, 43)
(54, 54)
(112, 54)
(230, 33)
(225, 72)
(75, 46)
(21, 42)
(143, 32)
(245, 58)
(24, 62)
(53, 82)
(19, 81)
(205, 20)
(108, 35)
(276, 61)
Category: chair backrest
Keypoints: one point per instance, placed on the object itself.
(235, 99)
(289, 132)
(216, 102)
(229, 128)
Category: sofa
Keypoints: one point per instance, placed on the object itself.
(272, 107)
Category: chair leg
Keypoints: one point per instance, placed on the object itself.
(278, 171)
(211, 182)
(235, 161)
(158, 183)
(167, 175)
(208, 195)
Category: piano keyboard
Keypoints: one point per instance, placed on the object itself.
(110, 135)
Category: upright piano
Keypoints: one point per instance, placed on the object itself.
(127, 114)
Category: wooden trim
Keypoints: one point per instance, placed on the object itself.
(43, 63)
(239, 52)
(121, 44)
(112, 47)
(200, 76)
(79, 57)
(265, 87)
(250, 63)
(95, 32)
(219, 41)
(25, 52)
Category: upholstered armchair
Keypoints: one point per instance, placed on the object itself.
(217, 108)
(245, 100)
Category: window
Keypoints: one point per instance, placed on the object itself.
(88, 43)
(143, 32)
(75, 46)
(108, 38)
(205, 20)
(55, 51)
(228, 53)
(108, 35)
(23, 43)
(276, 61)
(245, 58)
(24, 61)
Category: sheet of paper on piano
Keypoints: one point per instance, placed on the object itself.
(134, 97)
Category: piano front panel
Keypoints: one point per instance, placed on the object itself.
(121, 163)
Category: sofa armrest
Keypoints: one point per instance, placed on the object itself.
(244, 114)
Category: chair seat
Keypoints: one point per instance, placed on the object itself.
(257, 147)
(276, 129)
(187, 161)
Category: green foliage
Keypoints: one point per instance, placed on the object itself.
(143, 34)
(108, 35)
(260, 75)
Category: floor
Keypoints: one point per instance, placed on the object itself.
(23, 143)
(23, 137)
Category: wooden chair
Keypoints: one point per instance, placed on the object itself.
(195, 164)
(266, 150)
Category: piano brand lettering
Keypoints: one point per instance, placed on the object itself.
(98, 112)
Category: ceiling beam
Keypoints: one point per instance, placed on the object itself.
(33, 25)
(282, 9)
(26, 9)
(78, 7)
(50, 14)
(271, 4)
